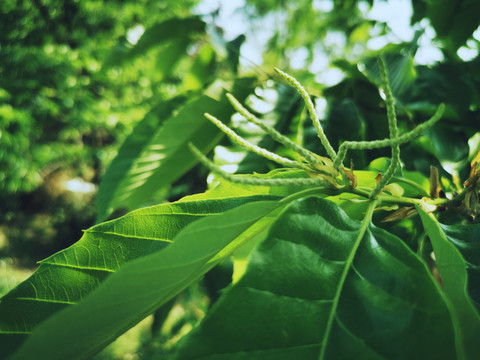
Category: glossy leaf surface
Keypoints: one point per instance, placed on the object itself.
(386, 304)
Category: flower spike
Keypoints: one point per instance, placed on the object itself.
(254, 148)
(307, 155)
(252, 180)
(392, 127)
(377, 144)
(311, 109)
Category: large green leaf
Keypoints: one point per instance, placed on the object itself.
(170, 55)
(313, 281)
(453, 271)
(450, 151)
(140, 287)
(156, 153)
(68, 276)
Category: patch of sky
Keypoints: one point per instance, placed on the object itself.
(233, 18)
(471, 49)
(134, 34)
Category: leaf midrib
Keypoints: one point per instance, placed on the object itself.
(348, 264)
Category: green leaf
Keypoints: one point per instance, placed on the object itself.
(465, 238)
(176, 30)
(233, 51)
(453, 271)
(129, 153)
(448, 83)
(140, 287)
(169, 56)
(156, 153)
(308, 284)
(454, 20)
(202, 69)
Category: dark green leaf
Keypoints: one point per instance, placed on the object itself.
(169, 56)
(466, 239)
(453, 271)
(401, 72)
(233, 51)
(454, 20)
(451, 151)
(388, 305)
(447, 83)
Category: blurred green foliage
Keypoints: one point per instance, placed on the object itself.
(58, 108)
(63, 113)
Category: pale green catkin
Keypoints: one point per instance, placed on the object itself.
(389, 100)
(252, 180)
(376, 144)
(254, 148)
(394, 142)
(392, 126)
(311, 109)
(307, 155)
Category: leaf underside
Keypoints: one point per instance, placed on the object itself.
(68, 276)
(142, 286)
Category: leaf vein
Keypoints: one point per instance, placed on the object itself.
(46, 300)
(287, 296)
(77, 266)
